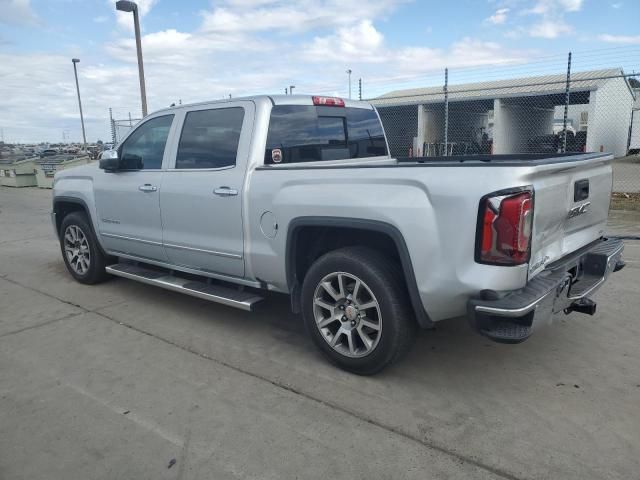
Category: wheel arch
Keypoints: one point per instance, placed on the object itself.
(350, 228)
(64, 205)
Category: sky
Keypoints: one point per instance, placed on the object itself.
(197, 50)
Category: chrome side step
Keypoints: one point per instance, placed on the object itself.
(215, 293)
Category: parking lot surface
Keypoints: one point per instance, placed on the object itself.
(126, 381)
(626, 174)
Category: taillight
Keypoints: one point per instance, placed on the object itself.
(328, 101)
(505, 225)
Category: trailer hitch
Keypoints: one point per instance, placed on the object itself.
(583, 305)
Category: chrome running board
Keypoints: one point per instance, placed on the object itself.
(244, 300)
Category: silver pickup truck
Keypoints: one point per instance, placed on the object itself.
(227, 200)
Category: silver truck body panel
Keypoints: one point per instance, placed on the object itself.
(243, 237)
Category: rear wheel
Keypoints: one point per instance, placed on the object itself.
(356, 309)
(83, 257)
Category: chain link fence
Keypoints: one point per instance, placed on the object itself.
(589, 102)
(573, 111)
(120, 128)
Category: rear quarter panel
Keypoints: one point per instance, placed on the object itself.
(435, 208)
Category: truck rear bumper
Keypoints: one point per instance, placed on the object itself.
(511, 317)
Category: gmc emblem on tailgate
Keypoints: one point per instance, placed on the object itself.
(579, 210)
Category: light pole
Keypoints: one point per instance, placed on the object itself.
(127, 6)
(75, 72)
(291, 87)
(349, 73)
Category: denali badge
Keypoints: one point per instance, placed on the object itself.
(579, 210)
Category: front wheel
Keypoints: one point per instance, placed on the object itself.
(357, 310)
(83, 257)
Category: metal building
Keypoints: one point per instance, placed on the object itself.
(511, 116)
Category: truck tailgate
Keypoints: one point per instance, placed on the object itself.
(571, 207)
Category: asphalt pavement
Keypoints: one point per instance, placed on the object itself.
(126, 381)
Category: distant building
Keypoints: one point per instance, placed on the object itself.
(512, 116)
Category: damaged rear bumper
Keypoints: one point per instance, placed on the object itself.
(565, 285)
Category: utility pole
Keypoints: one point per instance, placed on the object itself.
(75, 72)
(113, 128)
(128, 6)
(360, 89)
(566, 105)
(286, 91)
(446, 112)
(349, 73)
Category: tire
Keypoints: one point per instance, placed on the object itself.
(76, 232)
(359, 348)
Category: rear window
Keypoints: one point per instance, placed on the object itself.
(301, 133)
(210, 138)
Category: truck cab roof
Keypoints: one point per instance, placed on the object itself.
(273, 100)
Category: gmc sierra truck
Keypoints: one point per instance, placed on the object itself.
(230, 199)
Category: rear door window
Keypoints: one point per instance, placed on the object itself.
(210, 138)
(301, 133)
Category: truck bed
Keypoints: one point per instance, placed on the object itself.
(510, 160)
(520, 159)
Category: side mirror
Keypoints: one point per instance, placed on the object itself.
(109, 161)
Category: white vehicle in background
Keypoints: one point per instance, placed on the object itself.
(230, 199)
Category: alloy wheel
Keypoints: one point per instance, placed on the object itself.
(76, 249)
(347, 314)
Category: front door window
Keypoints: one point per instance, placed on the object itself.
(144, 148)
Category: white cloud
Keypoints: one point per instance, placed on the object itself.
(551, 23)
(39, 103)
(18, 12)
(623, 39)
(359, 43)
(544, 7)
(171, 47)
(217, 58)
(550, 29)
(279, 16)
(100, 19)
(572, 5)
(616, 5)
(499, 17)
(408, 62)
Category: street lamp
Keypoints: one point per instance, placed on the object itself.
(127, 6)
(291, 87)
(75, 72)
(349, 73)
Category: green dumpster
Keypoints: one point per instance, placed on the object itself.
(21, 173)
(47, 167)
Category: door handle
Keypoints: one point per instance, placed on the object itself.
(225, 192)
(147, 187)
